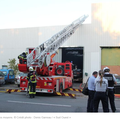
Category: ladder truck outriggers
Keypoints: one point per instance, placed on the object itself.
(51, 76)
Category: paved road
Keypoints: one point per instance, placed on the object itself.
(19, 102)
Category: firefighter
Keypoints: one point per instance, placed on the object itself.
(23, 57)
(32, 82)
(111, 81)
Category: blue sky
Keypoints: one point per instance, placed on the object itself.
(35, 13)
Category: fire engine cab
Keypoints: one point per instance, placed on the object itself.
(51, 76)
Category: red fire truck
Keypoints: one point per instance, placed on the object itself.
(51, 76)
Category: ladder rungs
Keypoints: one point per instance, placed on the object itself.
(52, 44)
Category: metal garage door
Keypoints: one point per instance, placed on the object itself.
(74, 54)
(110, 57)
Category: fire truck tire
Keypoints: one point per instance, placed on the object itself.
(59, 71)
(55, 88)
(61, 88)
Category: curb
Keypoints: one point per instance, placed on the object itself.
(117, 95)
(65, 94)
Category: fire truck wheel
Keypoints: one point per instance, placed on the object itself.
(59, 71)
(61, 88)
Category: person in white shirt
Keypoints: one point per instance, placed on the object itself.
(101, 85)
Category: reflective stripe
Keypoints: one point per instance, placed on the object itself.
(20, 57)
(22, 77)
(30, 91)
(34, 93)
(37, 78)
(33, 81)
(31, 77)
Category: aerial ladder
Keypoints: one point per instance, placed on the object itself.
(41, 57)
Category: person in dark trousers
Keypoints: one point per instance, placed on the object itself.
(91, 88)
(23, 58)
(111, 81)
(32, 82)
(101, 85)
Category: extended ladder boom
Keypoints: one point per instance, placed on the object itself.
(38, 55)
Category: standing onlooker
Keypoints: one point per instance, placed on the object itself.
(101, 85)
(111, 81)
(91, 88)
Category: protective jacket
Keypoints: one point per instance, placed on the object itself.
(110, 79)
(32, 77)
(23, 56)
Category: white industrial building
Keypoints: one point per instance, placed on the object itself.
(99, 40)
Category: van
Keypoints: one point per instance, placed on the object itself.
(9, 75)
(2, 80)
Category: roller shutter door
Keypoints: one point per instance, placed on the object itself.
(110, 57)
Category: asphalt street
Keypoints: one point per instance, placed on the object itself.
(20, 102)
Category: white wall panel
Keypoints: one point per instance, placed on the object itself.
(95, 57)
(14, 41)
(58, 57)
(46, 33)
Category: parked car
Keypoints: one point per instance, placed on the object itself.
(9, 75)
(117, 79)
(117, 86)
(2, 80)
(17, 79)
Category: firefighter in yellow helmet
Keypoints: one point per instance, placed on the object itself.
(31, 77)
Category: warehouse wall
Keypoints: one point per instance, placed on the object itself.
(14, 41)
